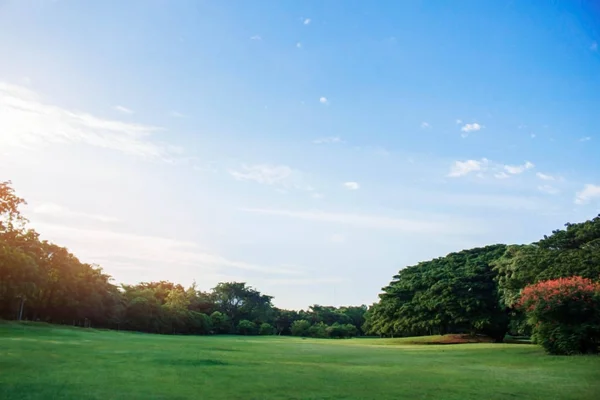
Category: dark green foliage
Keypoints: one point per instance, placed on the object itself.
(220, 322)
(476, 291)
(318, 330)
(300, 328)
(245, 327)
(266, 329)
(452, 294)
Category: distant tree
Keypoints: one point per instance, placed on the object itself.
(453, 294)
(283, 320)
(199, 323)
(266, 329)
(246, 327)
(300, 328)
(318, 330)
(220, 322)
(238, 302)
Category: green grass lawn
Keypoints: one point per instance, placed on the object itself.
(50, 362)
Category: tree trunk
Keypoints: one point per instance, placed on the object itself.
(21, 308)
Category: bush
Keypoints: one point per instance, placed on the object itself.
(318, 330)
(564, 314)
(246, 327)
(300, 327)
(266, 329)
(199, 323)
(220, 322)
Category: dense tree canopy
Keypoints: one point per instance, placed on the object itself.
(473, 291)
(476, 291)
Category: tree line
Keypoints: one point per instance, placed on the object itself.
(474, 291)
(477, 291)
(42, 281)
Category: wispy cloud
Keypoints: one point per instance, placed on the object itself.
(255, 37)
(176, 114)
(27, 121)
(351, 185)
(518, 169)
(587, 194)
(462, 168)
(299, 45)
(281, 176)
(585, 139)
(323, 100)
(501, 175)
(96, 245)
(123, 110)
(54, 210)
(409, 225)
(425, 125)
(306, 21)
(458, 121)
(328, 140)
(549, 189)
(545, 177)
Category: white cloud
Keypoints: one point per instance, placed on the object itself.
(501, 175)
(585, 139)
(458, 121)
(272, 175)
(328, 139)
(518, 169)
(55, 210)
(594, 46)
(352, 185)
(26, 121)
(299, 45)
(306, 21)
(545, 177)
(437, 225)
(471, 127)
(105, 247)
(255, 37)
(548, 189)
(425, 125)
(123, 110)
(589, 193)
(461, 168)
(323, 100)
(176, 114)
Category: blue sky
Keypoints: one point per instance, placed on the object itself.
(311, 149)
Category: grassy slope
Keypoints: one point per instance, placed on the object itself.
(45, 362)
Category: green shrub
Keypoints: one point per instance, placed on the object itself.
(318, 330)
(266, 329)
(246, 327)
(300, 327)
(199, 323)
(564, 314)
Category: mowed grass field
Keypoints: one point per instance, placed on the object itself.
(51, 362)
